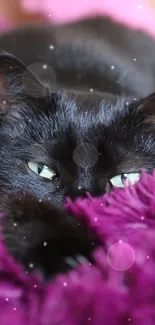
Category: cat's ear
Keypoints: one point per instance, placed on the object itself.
(146, 110)
(16, 80)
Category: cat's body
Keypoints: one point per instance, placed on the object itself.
(89, 123)
(83, 55)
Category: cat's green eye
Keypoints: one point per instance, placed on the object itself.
(125, 179)
(41, 170)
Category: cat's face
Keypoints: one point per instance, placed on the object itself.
(64, 143)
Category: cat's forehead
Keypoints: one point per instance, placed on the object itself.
(90, 101)
(80, 115)
(64, 115)
(87, 107)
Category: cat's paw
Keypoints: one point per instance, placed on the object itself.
(44, 237)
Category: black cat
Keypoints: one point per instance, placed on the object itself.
(83, 120)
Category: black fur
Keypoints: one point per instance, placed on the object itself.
(86, 136)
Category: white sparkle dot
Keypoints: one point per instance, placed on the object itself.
(148, 257)
(89, 318)
(30, 120)
(91, 90)
(78, 224)
(79, 187)
(31, 265)
(24, 237)
(120, 241)
(92, 243)
(118, 81)
(142, 218)
(134, 99)
(45, 66)
(35, 286)
(90, 264)
(95, 219)
(4, 102)
(10, 67)
(15, 224)
(51, 47)
(49, 15)
(140, 7)
(101, 204)
(65, 284)
(112, 67)
(15, 308)
(127, 103)
(40, 200)
(129, 319)
(45, 243)
(6, 299)
(134, 59)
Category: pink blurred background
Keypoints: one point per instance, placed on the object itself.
(137, 13)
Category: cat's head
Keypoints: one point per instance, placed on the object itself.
(60, 143)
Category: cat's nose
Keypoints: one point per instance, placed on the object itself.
(78, 192)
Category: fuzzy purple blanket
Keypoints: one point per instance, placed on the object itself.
(118, 290)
